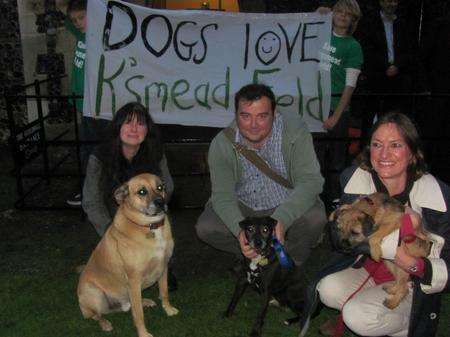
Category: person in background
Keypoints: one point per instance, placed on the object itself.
(241, 189)
(91, 129)
(342, 57)
(393, 163)
(134, 146)
(391, 61)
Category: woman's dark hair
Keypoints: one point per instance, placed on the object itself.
(76, 5)
(254, 92)
(150, 152)
(405, 126)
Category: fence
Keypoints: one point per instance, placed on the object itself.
(187, 145)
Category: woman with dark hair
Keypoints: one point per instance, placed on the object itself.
(134, 147)
(392, 163)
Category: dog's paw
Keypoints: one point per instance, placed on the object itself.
(170, 311)
(145, 334)
(375, 251)
(147, 302)
(273, 302)
(391, 303)
(389, 288)
(105, 325)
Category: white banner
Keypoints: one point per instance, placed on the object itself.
(186, 66)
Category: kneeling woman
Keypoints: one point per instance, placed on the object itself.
(393, 163)
(134, 147)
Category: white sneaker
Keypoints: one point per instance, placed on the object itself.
(75, 200)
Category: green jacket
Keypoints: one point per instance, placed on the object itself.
(302, 168)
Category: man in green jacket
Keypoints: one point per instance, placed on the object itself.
(240, 189)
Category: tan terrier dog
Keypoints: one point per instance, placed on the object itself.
(370, 219)
(131, 256)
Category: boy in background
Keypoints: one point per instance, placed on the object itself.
(91, 129)
(344, 64)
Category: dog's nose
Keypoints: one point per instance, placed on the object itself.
(159, 202)
(258, 243)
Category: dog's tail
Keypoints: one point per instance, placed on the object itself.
(80, 268)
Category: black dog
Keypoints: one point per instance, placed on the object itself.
(266, 274)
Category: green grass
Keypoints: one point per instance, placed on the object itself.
(38, 254)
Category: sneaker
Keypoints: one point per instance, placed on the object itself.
(75, 200)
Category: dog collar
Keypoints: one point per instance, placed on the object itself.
(156, 225)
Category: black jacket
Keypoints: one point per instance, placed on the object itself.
(371, 35)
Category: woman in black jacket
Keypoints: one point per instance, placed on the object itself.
(134, 147)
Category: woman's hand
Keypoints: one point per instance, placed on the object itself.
(408, 263)
(403, 259)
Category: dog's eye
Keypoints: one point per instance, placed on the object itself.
(265, 229)
(250, 229)
(160, 187)
(142, 191)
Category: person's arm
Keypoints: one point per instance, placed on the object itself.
(344, 102)
(352, 64)
(433, 271)
(93, 202)
(223, 162)
(305, 175)
(167, 178)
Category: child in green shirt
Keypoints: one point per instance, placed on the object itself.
(343, 58)
(91, 129)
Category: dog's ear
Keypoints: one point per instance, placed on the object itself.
(272, 222)
(121, 193)
(244, 223)
(334, 215)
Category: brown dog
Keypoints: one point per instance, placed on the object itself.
(132, 255)
(371, 218)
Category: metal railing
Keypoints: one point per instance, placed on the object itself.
(29, 142)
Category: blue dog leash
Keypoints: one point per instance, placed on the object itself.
(283, 258)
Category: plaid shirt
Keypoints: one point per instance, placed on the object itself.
(255, 189)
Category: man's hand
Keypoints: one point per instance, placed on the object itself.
(392, 71)
(279, 232)
(246, 250)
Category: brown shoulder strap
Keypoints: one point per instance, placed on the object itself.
(256, 160)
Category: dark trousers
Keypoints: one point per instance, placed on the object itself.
(332, 152)
(301, 236)
(91, 130)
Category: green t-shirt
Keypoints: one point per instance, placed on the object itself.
(77, 79)
(344, 52)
